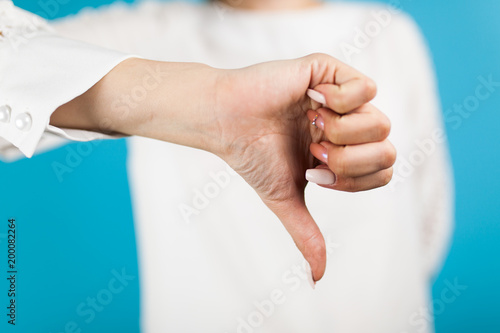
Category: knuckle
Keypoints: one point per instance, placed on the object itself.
(388, 156)
(386, 177)
(393, 154)
(335, 131)
(384, 126)
(339, 164)
(338, 102)
(316, 60)
(317, 55)
(370, 87)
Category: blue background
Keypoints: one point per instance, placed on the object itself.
(72, 234)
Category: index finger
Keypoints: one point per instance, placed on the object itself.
(346, 90)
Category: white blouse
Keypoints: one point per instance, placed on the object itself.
(213, 258)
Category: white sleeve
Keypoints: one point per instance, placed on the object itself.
(40, 71)
(434, 177)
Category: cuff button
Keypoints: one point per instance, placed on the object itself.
(23, 122)
(5, 111)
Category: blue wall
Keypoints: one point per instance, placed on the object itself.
(75, 234)
(73, 238)
(465, 39)
(81, 236)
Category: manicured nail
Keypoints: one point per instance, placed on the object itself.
(316, 119)
(309, 274)
(320, 152)
(316, 96)
(321, 176)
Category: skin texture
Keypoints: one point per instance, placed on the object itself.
(258, 119)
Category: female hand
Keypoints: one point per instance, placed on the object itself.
(267, 136)
(258, 119)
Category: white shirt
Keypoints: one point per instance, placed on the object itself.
(213, 258)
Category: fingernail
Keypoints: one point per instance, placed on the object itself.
(321, 176)
(310, 278)
(324, 157)
(316, 119)
(316, 96)
(320, 152)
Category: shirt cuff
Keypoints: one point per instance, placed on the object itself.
(38, 76)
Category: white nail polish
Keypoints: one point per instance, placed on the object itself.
(316, 96)
(321, 176)
(309, 275)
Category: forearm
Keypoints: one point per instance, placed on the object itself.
(173, 102)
